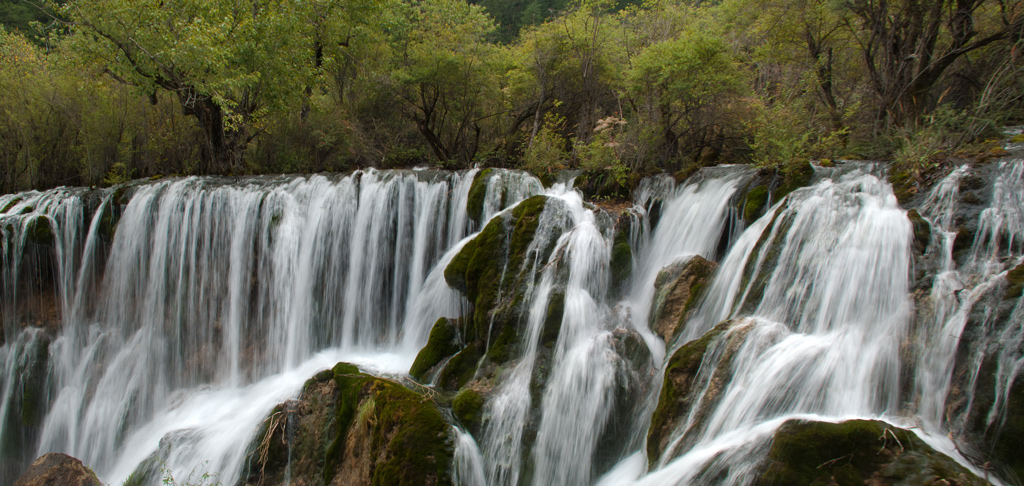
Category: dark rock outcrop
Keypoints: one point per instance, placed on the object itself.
(686, 385)
(55, 469)
(678, 288)
(350, 428)
(857, 452)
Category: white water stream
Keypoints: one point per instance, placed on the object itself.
(215, 300)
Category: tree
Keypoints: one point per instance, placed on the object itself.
(687, 88)
(444, 76)
(226, 61)
(907, 45)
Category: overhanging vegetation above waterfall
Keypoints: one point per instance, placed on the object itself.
(108, 90)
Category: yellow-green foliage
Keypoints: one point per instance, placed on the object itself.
(547, 152)
(62, 123)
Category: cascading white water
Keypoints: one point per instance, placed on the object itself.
(215, 300)
(956, 293)
(831, 311)
(219, 293)
(578, 396)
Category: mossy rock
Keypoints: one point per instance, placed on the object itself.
(922, 230)
(962, 242)
(1015, 285)
(685, 173)
(621, 263)
(770, 244)
(348, 427)
(794, 176)
(477, 193)
(442, 343)
(39, 231)
(904, 185)
(553, 319)
(146, 473)
(677, 390)
(468, 408)
(756, 201)
(487, 270)
(460, 368)
(1010, 437)
(10, 204)
(33, 379)
(856, 452)
(56, 469)
(678, 288)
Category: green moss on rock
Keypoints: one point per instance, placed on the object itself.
(756, 200)
(1010, 439)
(490, 263)
(468, 408)
(903, 185)
(683, 174)
(678, 287)
(793, 177)
(33, 390)
(674, 401)
(856, 452)
(461, 368)
(13, 202)
(621, 262)
(39, 231)
(352, 428)
(442, 343)
(553, 319)
(477, 193)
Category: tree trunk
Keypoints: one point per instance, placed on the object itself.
(219, 150)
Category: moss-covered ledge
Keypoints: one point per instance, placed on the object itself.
(352, 428)
(857, 452)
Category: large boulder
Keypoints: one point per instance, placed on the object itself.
(494, 271)
(350, 428)
(55, 469)
(685, 386)
(857, 452)
(678, 288)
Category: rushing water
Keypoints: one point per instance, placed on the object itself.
(215, 299)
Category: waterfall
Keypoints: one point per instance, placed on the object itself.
(215, 299)
(153, 326)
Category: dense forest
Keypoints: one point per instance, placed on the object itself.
(96, 92)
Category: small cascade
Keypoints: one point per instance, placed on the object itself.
(971, 347)
(588, 370)
(505, 188)
(825, 274)
(691, 220)
(508, 409)
(468, 463)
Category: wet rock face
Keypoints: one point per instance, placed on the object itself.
(679, 287)
(57, 469)
(857, 452)
(494, 271)
(985, 405)
(350, 428)
(688, 384)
